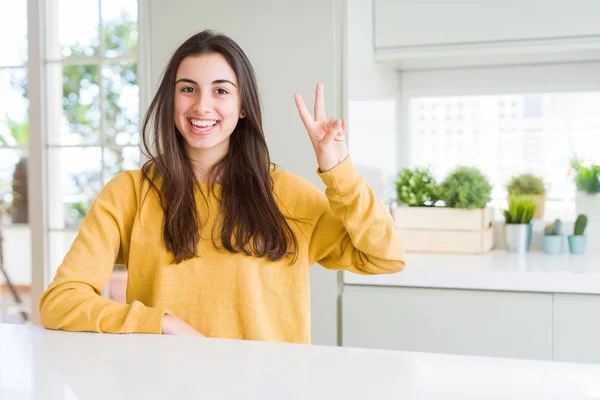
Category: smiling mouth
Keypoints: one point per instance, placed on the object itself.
(202, 127)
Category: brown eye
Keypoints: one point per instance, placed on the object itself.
(222, 91)
(187, 89)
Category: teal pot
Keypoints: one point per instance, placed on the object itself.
(517, 237)
(577, 244)
(553, 244)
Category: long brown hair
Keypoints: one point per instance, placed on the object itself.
(251, 221)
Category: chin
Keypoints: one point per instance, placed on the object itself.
(207, 143)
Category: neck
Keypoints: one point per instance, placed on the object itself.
(204, 159)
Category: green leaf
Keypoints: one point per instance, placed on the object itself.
(416, 187)
(526, 184)
(520, 211)
(587, 179)
(18, 130)
(466, 187)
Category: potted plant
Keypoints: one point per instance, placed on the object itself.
(462, 223)
(518, 227)
(553, 238)
(531, 186)
(466, 187)
(416, 187)
(587, 182)
(578, 240)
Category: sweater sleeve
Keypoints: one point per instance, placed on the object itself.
(354, 232)
(73, 301)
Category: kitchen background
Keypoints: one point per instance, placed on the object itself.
(463, 116)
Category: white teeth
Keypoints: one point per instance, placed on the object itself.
(203, 123)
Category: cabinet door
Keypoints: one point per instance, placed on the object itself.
(408, 23)
(576, 328)
(470, 322)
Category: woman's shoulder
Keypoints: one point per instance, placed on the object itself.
(128, 183)
(127, 179)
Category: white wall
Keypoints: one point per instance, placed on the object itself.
(292, 46)
(373, 94)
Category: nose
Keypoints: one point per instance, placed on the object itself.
(203, 104)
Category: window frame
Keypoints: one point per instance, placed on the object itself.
(37, 12)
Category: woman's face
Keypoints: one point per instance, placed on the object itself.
(207, 105)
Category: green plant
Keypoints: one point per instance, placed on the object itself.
(587, 179)
(466, 187)
(520, 211)
(580, 224)
(526, 184)
(416, 187)
(554, 228)
(19, 131)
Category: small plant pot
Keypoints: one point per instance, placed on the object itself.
(517, 237)
(553, 244)
(577, 244)
(588, 204)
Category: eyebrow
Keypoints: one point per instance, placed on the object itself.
(218, 81)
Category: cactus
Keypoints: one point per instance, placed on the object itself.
(554, 228)
(580, 224)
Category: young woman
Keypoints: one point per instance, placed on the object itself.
(217, 240)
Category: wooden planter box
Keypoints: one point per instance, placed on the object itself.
(445, 230)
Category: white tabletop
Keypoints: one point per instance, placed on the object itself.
(496, 270)
(50, 365)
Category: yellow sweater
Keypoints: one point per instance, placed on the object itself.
(218, 293)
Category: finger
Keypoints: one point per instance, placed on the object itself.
(320, 103)
(329, 126)
(307, 119)
(340, 135)
(335, 127)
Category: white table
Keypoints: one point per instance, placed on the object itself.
(50, 365)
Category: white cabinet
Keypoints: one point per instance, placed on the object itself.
(470, 322)
(425, 34)
(401, 23)
(576, 328)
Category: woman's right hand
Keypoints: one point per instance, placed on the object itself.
(171, 325)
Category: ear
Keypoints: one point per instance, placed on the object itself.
(242, 115)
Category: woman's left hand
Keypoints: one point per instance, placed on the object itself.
(327, 136)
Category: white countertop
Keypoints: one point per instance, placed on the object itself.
(51, 365)
(496, 270)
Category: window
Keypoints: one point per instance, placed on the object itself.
(491, 119)
(85, 127)
(14, 136)
(92, 108)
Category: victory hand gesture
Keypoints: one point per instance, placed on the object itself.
(327, 136)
